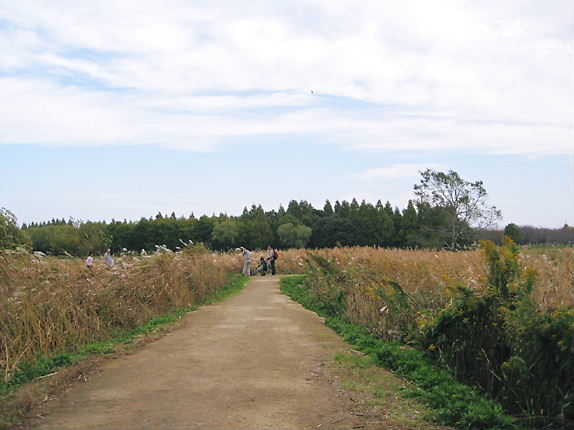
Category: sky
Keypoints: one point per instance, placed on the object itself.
(120, 110)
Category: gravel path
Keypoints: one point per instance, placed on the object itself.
(257, 360)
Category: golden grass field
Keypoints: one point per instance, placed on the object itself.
(49, 304)
(433, 271)
(427, 276)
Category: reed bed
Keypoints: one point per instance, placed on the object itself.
(365, 276)
(50, 305)
(432, 272)
(498, 318)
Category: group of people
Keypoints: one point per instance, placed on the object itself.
(108, 258)
(264, 263)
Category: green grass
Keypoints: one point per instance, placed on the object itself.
(452, 402)
(45, 365)
(361, 374)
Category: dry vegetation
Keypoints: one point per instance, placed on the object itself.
(500, 318)
(53, 305)
(433, 272)
(49, 305)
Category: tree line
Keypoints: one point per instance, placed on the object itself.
(529, 235)
(299, 225)
(448, 212)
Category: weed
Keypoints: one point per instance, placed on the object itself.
(453, 402)
(499, 318)
(500, 341)
(49, 304)
(42, 365)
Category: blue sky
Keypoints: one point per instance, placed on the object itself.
(123, 109)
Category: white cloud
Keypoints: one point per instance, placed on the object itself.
(395, 171)
(450, 76)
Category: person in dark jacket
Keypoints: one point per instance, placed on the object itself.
(272, 258)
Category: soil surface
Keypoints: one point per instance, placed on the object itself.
(257, 360)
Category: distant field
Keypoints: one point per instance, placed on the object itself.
(433, 271)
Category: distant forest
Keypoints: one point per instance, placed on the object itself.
(300, 225)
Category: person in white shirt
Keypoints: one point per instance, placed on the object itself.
(247, 256)
(90, 260)
(108, 257)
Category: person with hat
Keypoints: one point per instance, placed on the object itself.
(247, 257)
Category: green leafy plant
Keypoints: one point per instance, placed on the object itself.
(453, 403)
(499, 340)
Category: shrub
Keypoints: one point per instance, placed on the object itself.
(499, 340)
(453, 402)
(498, 318)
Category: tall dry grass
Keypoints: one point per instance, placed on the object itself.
(473, 311)
(432, 272)
(426, 276)
(50, 305)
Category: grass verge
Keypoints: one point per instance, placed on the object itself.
(27, 387)
(452, 403)
(376, 392)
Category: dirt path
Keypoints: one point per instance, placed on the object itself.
(256, 360)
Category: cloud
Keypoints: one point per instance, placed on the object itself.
(416, 76)
(396, 171)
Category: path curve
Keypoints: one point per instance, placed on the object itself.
(253, 361)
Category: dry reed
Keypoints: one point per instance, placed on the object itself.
(432, 272)
(50, 305)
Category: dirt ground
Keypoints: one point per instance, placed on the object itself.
(257, 360)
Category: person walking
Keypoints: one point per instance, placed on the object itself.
(90, 260)
(247, 256)
(273, 255)
(109, 258)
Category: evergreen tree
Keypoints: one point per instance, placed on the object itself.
(514, 232)
(204, 230)
(328, 209)
(410, 227)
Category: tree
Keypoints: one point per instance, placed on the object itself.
(93, 238)
(10, 234)
(225, 234)
(56, 238)
(328, 209)
(514, 232)
(333, 231)
(204, 229)
(127, 235)
(409, 233)
(433, 226)
(254, 229)
(464, 203)
(303, 211)
(294, 236)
